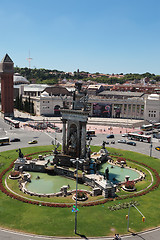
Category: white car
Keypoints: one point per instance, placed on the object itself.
(122, 141)
(125, 135)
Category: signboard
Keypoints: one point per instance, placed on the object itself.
(102, 110)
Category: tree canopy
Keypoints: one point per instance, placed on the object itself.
(49, 76)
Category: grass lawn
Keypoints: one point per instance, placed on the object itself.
(92, 221)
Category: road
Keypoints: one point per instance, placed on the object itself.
(45, 138)
(11, 235)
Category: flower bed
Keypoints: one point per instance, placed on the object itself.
(14, 175)
(129, 186)
(81, 196)
(121, 160)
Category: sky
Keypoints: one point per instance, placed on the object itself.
(106, 36)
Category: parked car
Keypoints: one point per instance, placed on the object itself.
(110, 136)
(122, 141)
(33, 142)
(112, 142)
(15, 140)
(131, 143)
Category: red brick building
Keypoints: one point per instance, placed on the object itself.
(6, 76)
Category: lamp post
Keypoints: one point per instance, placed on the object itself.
(143, 217)
(151, 141)
(77, 160)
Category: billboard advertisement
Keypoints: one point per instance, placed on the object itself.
(102, 110)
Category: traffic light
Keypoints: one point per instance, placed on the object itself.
(143, 219)
(126, 216)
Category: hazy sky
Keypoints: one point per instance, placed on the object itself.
(107, 36)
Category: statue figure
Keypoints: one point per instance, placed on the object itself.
(74, 99)
(56, 146)
(73, 140)
(103, 145)
(89, 141)
(63, 100)
(78, 86)
(88, 153)
(84, 101)
(107, 173)
(20, 153)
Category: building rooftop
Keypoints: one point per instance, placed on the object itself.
(6, 59)
(119, 93)
(18, 79)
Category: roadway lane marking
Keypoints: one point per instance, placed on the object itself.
(49, 135)
(52, 137)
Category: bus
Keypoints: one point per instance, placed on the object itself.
(148, 127)
(12, 122)
(90, 133)
(156, 125)
(139, 137)
(4, 140)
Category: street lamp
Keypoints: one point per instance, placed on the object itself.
(77, 160)
(127, 216)
(151, 141)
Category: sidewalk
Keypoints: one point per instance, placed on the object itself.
(100, 125)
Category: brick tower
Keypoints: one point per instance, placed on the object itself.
(6, 76)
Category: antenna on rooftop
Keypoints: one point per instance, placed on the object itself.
(29, 60)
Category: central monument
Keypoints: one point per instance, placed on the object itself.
(74, 125)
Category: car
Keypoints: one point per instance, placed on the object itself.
(157, 148)
(125, 135)
(33, 142)
(112, 142)
(110, 136)
(15, 140)
(131, 143)
(122, 141)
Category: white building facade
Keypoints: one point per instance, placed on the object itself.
(152, 108)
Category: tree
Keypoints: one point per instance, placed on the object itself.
(20, 103)
(32, 107)
(17, 102)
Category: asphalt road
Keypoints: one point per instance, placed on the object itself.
(46, 138)
(11, 235)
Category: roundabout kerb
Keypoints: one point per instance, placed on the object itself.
(6, 190)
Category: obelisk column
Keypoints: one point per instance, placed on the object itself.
(64, 136)
(83, 140)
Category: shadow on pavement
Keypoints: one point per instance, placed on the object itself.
(81, 235)
(135, 234)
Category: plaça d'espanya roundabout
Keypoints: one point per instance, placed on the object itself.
(108, 208)
(46, 191)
